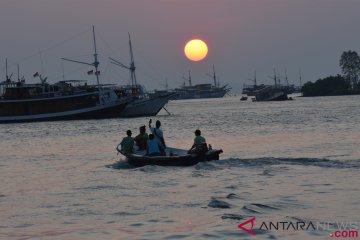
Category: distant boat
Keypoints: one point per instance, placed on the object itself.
(21, 102)
(251, 90)
(243, 98)
(142, 104)
(206, 90)
(201, 91)
(270, 93)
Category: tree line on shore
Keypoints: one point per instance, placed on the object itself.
(342, 84)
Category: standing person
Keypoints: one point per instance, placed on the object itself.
(127, 143)
(158, 133)
(154, 147)
(142, 138)
(199, 145)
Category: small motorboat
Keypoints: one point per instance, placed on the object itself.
(173, 157)
(243, 98)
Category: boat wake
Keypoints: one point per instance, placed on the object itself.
(258, 162)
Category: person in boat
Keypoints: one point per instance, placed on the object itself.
(127, 143)
(142, 138)
(199, 145)
(157, 132)
(154, 147)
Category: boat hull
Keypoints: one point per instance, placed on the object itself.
(200, 94)
(271, 94)
(183, 159)
(146, 107)
(99, 111)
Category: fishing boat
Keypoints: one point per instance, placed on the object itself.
(59, 101)
(205, 90)
(65, 100)
(250, 90)
(142, 104)
(243, 98)
(270, 93)
(174, 157)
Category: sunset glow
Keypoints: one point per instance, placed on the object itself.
(196, 50)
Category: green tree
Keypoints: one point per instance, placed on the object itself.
(329, 86)
(350, 66)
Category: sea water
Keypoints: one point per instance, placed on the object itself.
(287, 164)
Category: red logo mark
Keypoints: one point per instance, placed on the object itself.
(242, 226)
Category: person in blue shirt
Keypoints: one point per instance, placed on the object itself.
(157, 132)
(154, 147)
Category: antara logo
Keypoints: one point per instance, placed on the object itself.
(246, 229)
(337, 229)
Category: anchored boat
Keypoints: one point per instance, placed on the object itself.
(205, 90)
(143, 104)
(21, 102)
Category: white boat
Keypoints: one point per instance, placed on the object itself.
(142, 105)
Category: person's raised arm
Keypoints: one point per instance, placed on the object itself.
(150, 121)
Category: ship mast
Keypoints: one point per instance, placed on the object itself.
(132, 64)
(6, 71)
(213, 76)
(286, 78)
(253, 80)
(187, 79)
(18, 72)
(255, 83)
(275, 78)
(95, 64)
(216, 83)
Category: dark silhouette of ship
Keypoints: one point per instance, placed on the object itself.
(64, 100)
(205, 90)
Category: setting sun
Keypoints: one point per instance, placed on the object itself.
(196, 50)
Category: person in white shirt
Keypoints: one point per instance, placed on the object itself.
(157, 132)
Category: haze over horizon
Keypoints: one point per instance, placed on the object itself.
(242, 36)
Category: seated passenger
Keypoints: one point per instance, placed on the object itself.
(142, 138)
(154, 147)
(127, 143)
(199, 145)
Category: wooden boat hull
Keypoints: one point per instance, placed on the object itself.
(97, 112)
(183, 159)
(271, 93)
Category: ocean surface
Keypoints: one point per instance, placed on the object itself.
(296, 162)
